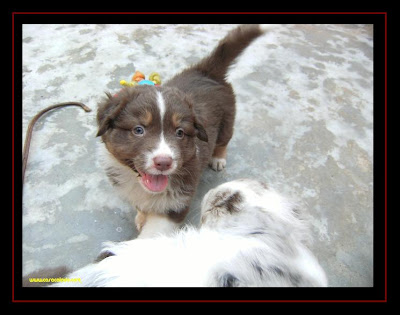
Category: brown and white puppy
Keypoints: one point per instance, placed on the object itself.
(159, 139)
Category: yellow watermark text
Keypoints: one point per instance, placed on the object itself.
(54, 280)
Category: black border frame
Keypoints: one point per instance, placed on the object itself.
(377, 293)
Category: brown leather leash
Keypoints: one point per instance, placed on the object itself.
(29, 131)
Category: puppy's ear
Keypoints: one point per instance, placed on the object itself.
(107, 113)
(105, 125)
(103, 114)
(201, 132)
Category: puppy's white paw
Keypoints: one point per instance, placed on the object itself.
(140, 220)
(217, 164)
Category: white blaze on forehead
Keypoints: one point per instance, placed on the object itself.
(162, 148)
(161, 105)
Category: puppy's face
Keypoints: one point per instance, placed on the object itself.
(152, 131)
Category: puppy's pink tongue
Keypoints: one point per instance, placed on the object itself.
(155, 183)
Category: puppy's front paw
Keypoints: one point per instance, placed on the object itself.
(217, 164)
(140, 220)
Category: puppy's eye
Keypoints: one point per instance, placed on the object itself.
(179, 133)
(138, 130)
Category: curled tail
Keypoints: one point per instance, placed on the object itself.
(229, 48)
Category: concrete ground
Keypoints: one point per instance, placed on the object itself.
(304, 125)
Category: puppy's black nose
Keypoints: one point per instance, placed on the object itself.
(162, 162)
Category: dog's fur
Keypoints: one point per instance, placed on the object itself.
(250, 236)
(159, 139)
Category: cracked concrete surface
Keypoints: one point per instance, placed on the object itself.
(304, 125)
